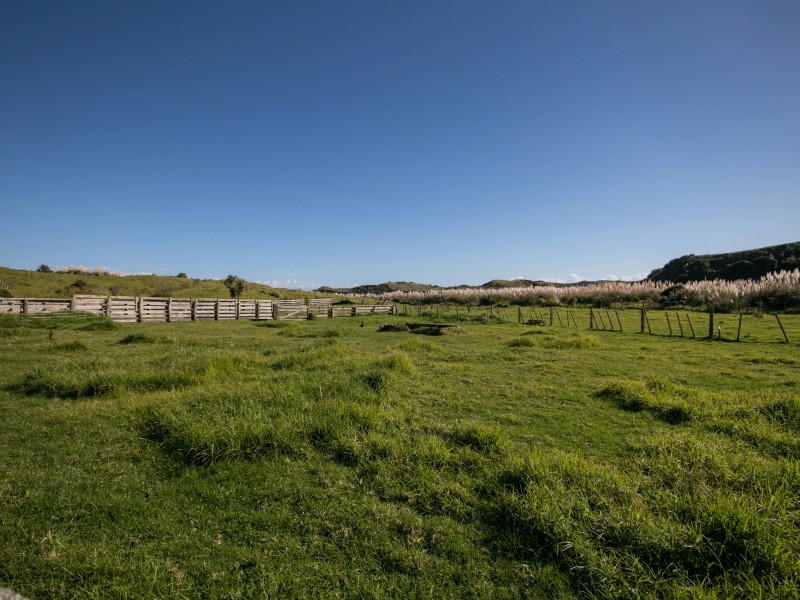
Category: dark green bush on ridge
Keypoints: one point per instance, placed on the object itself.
(748, 264)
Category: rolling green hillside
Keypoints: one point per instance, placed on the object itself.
(381, 288)
(747, 264)
(505, 283)
(30, 284)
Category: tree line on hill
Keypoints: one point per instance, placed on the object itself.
(731, 266)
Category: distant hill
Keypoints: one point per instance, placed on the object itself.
(747, 264)
(406, 286)
(381, 288)
(31, 284)
(505, 283)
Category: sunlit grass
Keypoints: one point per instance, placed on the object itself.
(324, 458)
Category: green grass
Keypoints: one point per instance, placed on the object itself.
(322, 458)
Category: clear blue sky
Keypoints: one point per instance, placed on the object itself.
(307, 143)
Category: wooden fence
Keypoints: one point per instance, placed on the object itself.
(132, 309)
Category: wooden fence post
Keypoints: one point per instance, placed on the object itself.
(783, 331)
(669, 325)
(24, 306)
(690, 324)
(551, 316)
(216, 310)
(619, 322)
(591, 318)
(169, 309)
(711, 324)
(739, 329)
(643, 318)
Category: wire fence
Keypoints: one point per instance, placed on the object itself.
(676, 322)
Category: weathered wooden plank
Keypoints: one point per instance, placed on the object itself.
(47, 306)
(297, 302)
(292, 313)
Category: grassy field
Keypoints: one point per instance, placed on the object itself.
(324, 459)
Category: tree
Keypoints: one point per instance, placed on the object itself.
(44, 269)
(235, 285)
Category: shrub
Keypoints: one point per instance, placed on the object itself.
(235, 285)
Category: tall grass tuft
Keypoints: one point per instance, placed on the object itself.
(102, 378)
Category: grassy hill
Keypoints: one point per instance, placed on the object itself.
(381, 288)
(30, 284)
(747, 264)
(506, 283)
